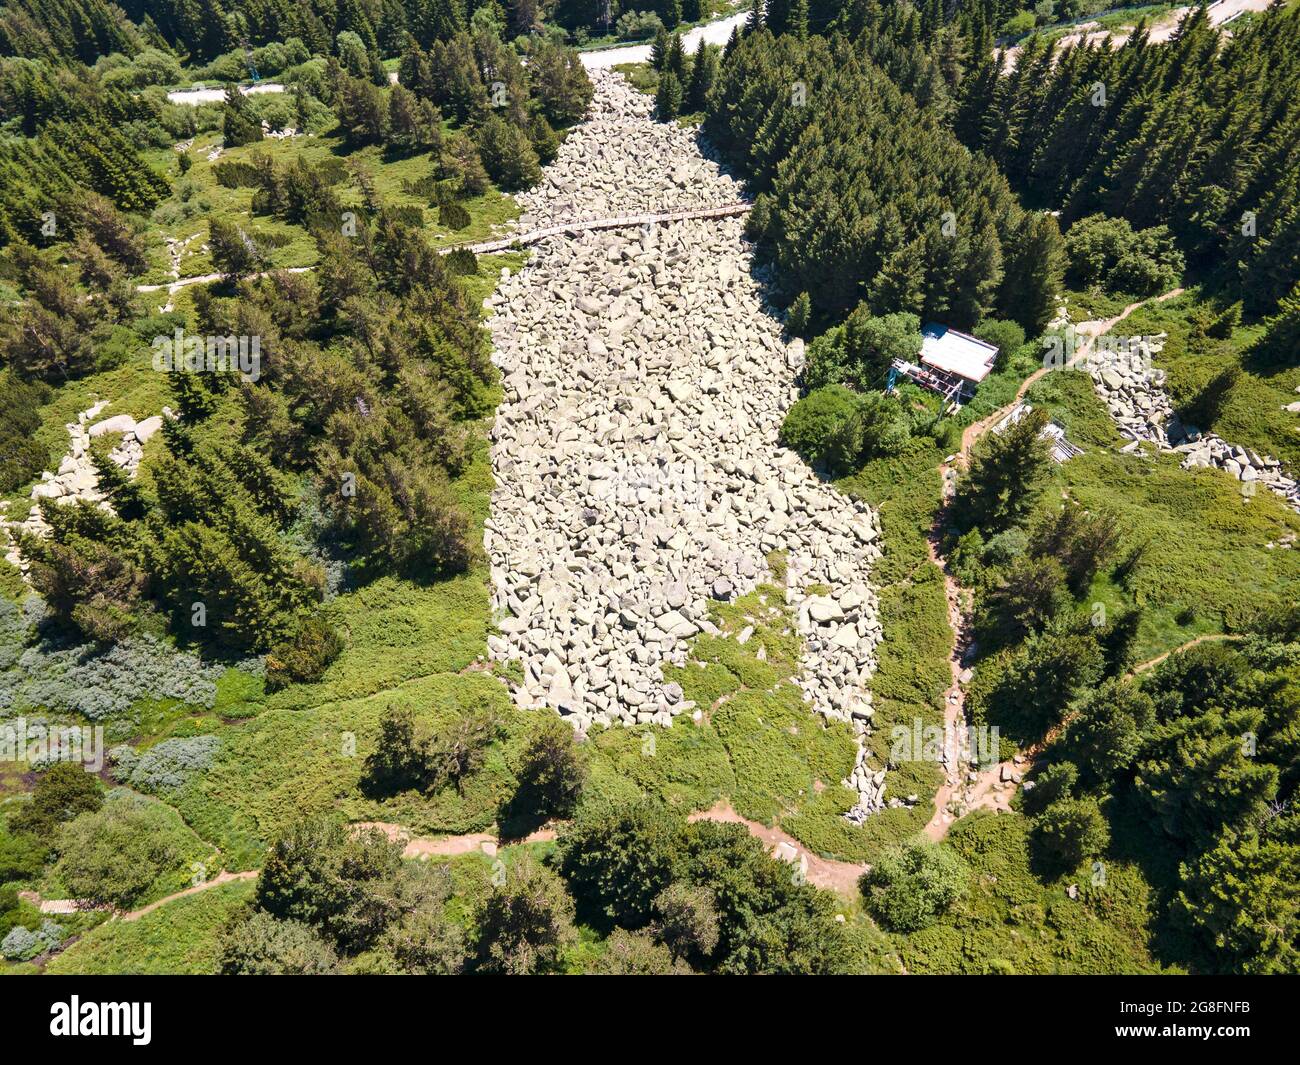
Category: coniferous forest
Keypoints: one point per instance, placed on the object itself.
(285, 323)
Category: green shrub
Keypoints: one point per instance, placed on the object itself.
(824, 427)
(305, 656)
(552, 775)
(1004, 548)
(116, 855)
(332, 879)
(1007, 337)
(687, 920)
(62, 792)
(22, 856)
(462, 262)
(526, 923)
(637, 954)
(1054, 783)
(617, 861)
(260, 945)
(1067, 832)
(454, 216)
(638, 25)
(1108, 253)
(1019, 24)
(21, 457)
(911, 884)
(23, 944)
(860, 351)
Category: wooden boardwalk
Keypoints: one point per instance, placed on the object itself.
(517, 240)
(626, 221)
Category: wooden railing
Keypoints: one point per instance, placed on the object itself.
(626, 221)
(517, 240)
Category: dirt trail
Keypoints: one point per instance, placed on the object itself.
(1088, 332)
(451, 846)
(841, 877)
(1209, 637)
(993, 787)
(837, 876)
(57, 906)
(221, 878)
(1095, 329)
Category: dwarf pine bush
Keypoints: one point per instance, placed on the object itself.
(99, 683)
(166, 766)
(22, 944)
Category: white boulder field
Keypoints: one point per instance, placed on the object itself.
(638, 473)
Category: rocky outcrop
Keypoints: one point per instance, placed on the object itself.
(77, 478)
(638, 472)
(1133, 391)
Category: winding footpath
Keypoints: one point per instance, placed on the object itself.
(829, 874)
(966, 788)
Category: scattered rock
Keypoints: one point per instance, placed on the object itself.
(639, 475)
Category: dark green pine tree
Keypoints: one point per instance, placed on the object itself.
(797, 22)
(776, 14)
(668, 97)
(675, 60)
(659, 49)
(704, 72)
(1280, 344)
(1032, 273)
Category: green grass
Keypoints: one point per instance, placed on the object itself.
(641, 76)
(198, 196)
(406, 642)
(289, 763)
(1087, 305)
(912, 672)
(179, 938)
(1203, 563)
(758, 744)
(1011, 922)
(1252, 414)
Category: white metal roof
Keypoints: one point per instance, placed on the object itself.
(947, 349)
